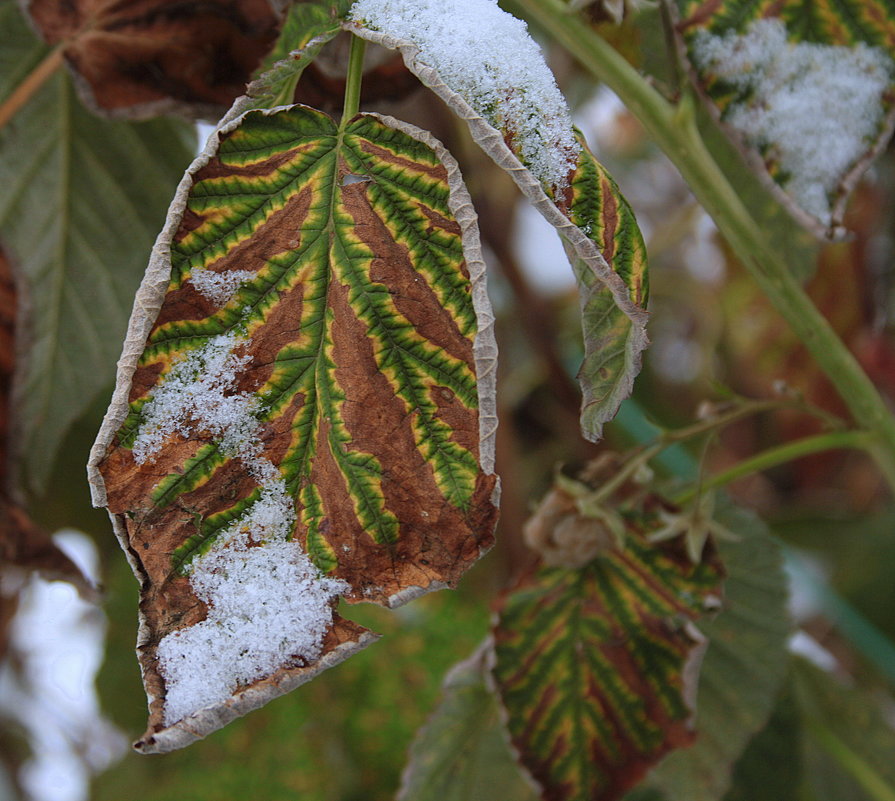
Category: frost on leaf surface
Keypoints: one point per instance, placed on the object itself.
(488, 57)
(309, 414)
(812, 111)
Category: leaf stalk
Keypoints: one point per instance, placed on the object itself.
(354, 78)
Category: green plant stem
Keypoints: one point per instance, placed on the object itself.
(674, 129)
(354, 78)
(861, 771)
(781, 454)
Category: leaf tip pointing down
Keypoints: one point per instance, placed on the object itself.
(311, 394)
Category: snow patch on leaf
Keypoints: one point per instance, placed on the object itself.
(219, 287)
(268, 605)
(812, 109)
(196, 393)
(488, 57)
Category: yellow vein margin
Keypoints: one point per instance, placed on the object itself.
(148, 303)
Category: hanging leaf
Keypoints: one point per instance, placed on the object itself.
(613, 341)
(306, 391)
(152, 57)
(744, 667)
(806, 88)
(594, 666)
(82, 201)
(483, 64)
(462, 753)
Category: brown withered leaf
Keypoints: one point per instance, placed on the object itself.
(143, 58)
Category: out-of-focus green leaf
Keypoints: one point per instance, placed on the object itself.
(743, 668)
(771, 765)
(462, 753)
(848, 743)
(806, 88)
(592, 664)
(82, 201)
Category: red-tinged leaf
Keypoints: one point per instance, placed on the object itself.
(311, 394)
(595, 666)
(151, 57)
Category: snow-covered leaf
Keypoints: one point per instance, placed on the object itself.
(305, 407)
(484, 65)
(806, 88)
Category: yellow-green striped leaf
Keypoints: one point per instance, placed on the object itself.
(309, 372)
(522, 123)
(594, 665)
(806, 89)
(613, 341)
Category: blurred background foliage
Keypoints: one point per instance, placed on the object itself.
(345, 736)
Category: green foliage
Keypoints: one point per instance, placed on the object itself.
(744, 666)
(83, 199)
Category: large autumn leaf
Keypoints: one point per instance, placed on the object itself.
(595, 666)
(83, 199)
(149, 57)
(305, 407)
(806, 88)
(483, 64)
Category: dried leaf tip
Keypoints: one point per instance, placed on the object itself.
(488, 57)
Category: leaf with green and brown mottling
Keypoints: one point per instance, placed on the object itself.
(594, 665)
(593, 219)
(323, 346)
(613, 341)
(806, 89)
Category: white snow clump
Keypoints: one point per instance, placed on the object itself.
(219, 287)
(813, 108)
(268, 605)
(486, 56)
